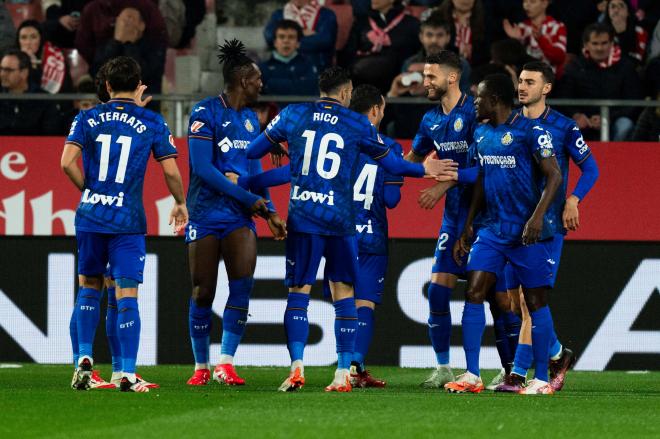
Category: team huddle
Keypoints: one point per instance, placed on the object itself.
(503, 173)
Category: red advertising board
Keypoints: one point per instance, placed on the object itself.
(36, 198)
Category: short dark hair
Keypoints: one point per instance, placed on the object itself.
(446, 58)
(122, 73)
(435, 21)
(23, 58)
(289, 24)
(235, 63)
(501, 87)
(543, 68)
(509, 52)
(479, 73)
(364, 97)
(332, 78)
(597, 28)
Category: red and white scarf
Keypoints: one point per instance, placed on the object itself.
(306, 17)
(54, 68)
(378, 36)
(615, 57)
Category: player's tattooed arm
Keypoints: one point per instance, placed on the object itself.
(550, 170)
(69, 164)
(179, 213)
(478, 203)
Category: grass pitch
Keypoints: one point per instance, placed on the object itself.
(36, 401)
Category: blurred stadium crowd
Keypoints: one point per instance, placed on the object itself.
(600, 49)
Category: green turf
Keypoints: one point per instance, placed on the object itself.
(36, 401)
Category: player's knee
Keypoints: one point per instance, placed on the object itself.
(444, 279)
(475, 295)
(535, 299)
(94, 282)
(359, 303)
(203, 296)
(503, 302)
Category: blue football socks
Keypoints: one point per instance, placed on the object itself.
(439, 321)
(345, 331)
(128, 331)
(555, 346)
(235, 315)
(111, 330)
(542, 330)
(296, 325)
(365, 333)
(523, 359)
(512, 326)
(501, 339)
(73, 333)
(199, 325)
(87, 319)
(474, 323)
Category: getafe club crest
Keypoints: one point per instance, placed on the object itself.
(248, 125)
(507, 138)
(458, 124)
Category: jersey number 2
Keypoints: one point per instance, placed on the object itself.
(106, 140)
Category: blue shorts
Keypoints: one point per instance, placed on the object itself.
(195, 232)
(532, 264)
(370, 282)
(124, 253)
(443, 259)
(512, 281)
(305, 250)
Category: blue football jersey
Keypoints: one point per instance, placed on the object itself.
(369, 198)
(513, 183)
(569, 144)
(324, 140)
(450, 135)
(231, 132)
(117, 139)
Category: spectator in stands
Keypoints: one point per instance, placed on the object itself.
(288, 72)
(129, 38)
(378, 47)
(181, 19)
(48, 65)
(470, 35)
(576, 15)
(21, 117)
(7, 34)
(62, 20)
(319, 27)
(543, 36)
(648, 124)
(435, 35)
(601, 73)
(98, 27)
(654, 49)
(628, 33)
(511, 54)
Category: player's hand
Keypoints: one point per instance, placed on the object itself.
(511, 30)
(259, 208)
(571, 215)
(430, 196)
(277, 226)
(532, 230)
(463, 244)
(179, 217)
(582, 121)
(138, 96)
(277, 153)
(435, 168)
(232, 176)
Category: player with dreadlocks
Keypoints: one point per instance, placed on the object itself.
(221, 225)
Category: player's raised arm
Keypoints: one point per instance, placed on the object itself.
(269, 140)
(545, 155)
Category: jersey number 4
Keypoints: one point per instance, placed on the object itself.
(366, 180)
(106, 141)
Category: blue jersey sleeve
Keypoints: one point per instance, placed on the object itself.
(576, 146)
(276, 131)
(539, 143)
(371, 144)
(256, 169)
(163, 146)
(396, 149)
(77, 132)
(201, 123)
(422, 144)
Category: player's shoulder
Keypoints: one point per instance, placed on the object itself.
(561, 121)
(391, 143)
(466, 104)
(206, 106)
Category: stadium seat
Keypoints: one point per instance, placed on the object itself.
(21, 11)
(344, 15)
